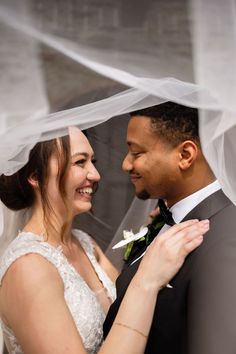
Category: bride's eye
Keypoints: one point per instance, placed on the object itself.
(80, 162)
(94, 161)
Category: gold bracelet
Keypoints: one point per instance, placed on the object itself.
(131, 328)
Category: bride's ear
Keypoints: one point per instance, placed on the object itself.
(188, 152)
(33, 180)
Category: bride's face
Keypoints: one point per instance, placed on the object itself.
(81, 179)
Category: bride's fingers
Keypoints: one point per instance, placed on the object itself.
(169, 254)
(187, 240)
(152, 215)
(181, 242)
(177, 228)
(190, 246)
(189, 232)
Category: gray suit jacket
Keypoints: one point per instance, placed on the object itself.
(198, 315)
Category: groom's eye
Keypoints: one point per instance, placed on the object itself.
(135, 154)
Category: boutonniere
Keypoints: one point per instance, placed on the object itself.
(128, 235)
(129, 239)
(143, 237)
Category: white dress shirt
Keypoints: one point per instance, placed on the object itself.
(184, 206)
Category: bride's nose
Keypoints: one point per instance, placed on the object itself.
(93, 175)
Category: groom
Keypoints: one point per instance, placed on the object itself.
(197, 313)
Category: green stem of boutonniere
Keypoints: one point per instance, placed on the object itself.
(128, 249)
(156, 224)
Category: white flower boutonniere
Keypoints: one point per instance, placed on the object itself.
(129, 238)
(127, 234)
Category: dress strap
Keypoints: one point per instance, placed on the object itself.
(26, 243)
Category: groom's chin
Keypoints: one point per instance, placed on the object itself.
(144, 195)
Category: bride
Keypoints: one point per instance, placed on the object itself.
(56, 284)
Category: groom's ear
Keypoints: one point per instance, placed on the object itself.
(188, 152)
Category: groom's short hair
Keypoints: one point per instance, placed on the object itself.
(172, 122)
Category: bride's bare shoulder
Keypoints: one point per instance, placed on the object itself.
(28, 279)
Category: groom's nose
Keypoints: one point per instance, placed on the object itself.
(127, 164)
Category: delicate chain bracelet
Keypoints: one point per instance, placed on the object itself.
(131, 328)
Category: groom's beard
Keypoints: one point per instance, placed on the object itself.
(144, 195)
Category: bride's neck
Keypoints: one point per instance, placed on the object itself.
(50, 228)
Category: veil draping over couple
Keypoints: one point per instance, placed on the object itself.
(87, 64)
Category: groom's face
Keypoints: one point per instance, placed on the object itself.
(151, 162)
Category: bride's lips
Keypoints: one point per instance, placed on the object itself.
(86, 192)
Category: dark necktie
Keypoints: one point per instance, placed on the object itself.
(164, 217)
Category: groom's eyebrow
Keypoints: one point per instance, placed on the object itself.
(133, 144)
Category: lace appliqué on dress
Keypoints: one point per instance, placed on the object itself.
(84, 307)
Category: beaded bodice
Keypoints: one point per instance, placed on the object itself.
(81, 300)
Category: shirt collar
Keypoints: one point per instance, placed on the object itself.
(184, 206)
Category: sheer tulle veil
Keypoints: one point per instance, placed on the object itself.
(84, 62)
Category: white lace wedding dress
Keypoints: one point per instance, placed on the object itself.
(81, 300)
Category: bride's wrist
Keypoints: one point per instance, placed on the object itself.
(144, 285)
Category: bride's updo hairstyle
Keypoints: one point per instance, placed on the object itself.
(16, 191)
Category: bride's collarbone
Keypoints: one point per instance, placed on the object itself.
(82, 264)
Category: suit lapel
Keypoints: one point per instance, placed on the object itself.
(209, 206)
(205, 210)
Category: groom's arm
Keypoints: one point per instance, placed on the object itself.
(211, 304)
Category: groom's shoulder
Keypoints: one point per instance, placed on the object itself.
(226, 211)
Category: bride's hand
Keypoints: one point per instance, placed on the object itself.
(166, 254)
(153, 214)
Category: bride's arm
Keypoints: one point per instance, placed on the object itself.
(35, 308)
(33, 305)
(161, 262)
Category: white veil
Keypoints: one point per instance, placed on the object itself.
(82, 62)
